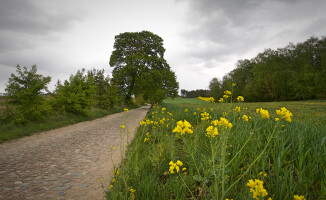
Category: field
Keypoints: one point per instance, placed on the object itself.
(190, 149)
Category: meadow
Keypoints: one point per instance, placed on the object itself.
(192, 149)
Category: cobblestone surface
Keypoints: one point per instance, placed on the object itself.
(65, 163)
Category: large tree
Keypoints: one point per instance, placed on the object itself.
(140, 68)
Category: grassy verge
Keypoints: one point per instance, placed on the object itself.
(281, 158)
(11, 131)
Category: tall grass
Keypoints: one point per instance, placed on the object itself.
(288, 157)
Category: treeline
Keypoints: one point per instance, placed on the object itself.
(195, 93)
(295, 72)
(25, 100)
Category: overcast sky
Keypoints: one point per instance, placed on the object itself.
(203, 38)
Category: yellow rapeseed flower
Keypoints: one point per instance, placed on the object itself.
(257, 189)
(297, 197)
(211, 131)
(175, 166)
(245, 118)
(183, 127)
(263, 113)
(240, 98)
(285, 114)
(237, 108)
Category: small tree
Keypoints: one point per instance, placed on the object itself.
(25, 101)
(75, 95)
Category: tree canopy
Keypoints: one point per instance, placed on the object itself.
(140, 68)
(25, 98)
(295, 72)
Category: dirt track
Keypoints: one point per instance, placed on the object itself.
(65, 163)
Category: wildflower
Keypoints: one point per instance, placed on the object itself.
(211, 131)
(223, 122)
(125, 109)
(233, 84)
(132, 191)
(277, 119)
(186, 110)
(111, 186)
(183, 127)
(163, 109)
(221, 100)
(113, 148)
(297, 197)
(122, 126)
(245, 118)
(237, 109)
(205, 116)
(240, 98)
(227, 92)
(195, 113)
(262, 173)
(285, 114)
(175, 166)
(257, 189)
(263, 113)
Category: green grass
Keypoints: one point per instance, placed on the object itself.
(10, 131)
(292, 154)
(179, 100)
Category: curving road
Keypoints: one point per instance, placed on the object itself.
(65, 163)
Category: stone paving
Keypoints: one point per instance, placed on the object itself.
(65, 163)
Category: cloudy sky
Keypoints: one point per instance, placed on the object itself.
(203, 38)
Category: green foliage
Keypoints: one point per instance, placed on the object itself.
(105, 95)
(140, 67)
(295, 72)
(25, 101)
(75, 95)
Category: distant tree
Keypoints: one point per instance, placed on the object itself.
(215, 88)
(75, 95)
(25, 100)
(140, 68)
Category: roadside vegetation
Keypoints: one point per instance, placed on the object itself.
(185, 149)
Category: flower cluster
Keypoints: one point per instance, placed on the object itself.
(263, 113)
(208, 99)
(297, 197)
(147, 137)
(205, 116)
(223, 122)
(176, 166)
(240, 98)
(285, 114)
(257, 189)
(237, 108)
(227, 94)
(245, 118)
(211, 131)
(183, 127)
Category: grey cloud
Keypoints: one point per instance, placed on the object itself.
(236, 26)
(31, 17)
(24, 24)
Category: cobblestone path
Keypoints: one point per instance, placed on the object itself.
(65, 163)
